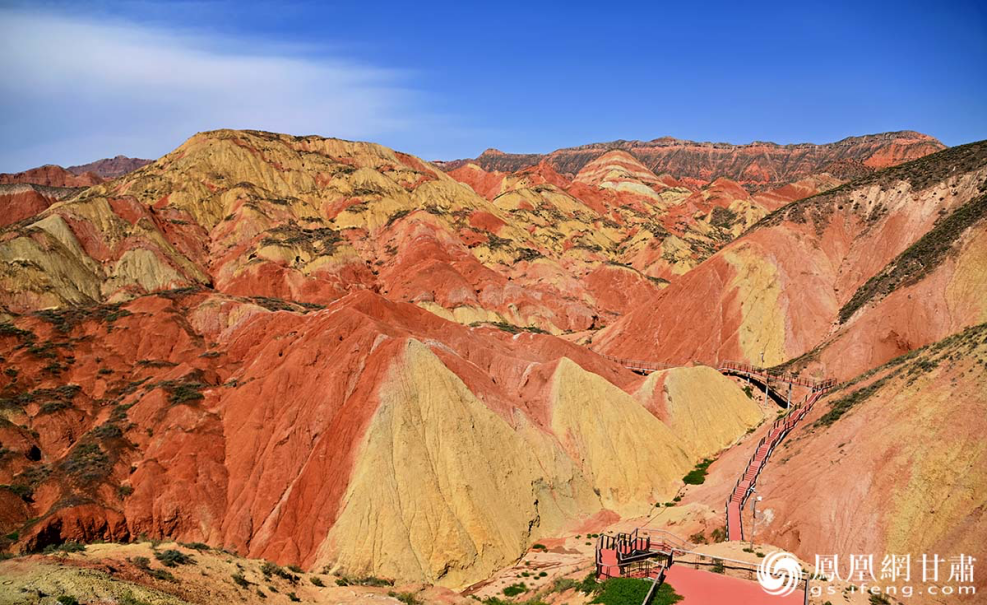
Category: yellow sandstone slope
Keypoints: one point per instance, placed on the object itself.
(633, 458)
(703, 408)
(446, 491)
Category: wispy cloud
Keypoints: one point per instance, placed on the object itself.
(74, 89)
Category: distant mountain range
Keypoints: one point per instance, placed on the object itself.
(85, 175)
(110, 168)
(757, 165)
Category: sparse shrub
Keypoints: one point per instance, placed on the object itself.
(316, 580)
(88, 463)
(295, 569)
(293, 597)
(515, 589)
(107, 431)
(130, 599)
(9, 329)
(841, 406)
(564, 584)
(408, 598)
(240, 581)
(173, 558)
(527, 254)
(270, 569)
(52, 407)
(400, 214)
(185, 393)
(141, 563)
(697, 476)
(920, 259)
(65, 547)
(162, 574)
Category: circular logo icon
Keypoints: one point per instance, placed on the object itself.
(779, 573)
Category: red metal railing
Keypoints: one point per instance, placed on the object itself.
(744, 487)
(640, 365)
(739, 367)
(631, 555)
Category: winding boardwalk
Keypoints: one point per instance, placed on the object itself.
(637, 554)
(744, 487)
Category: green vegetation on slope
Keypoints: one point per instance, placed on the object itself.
(920, 258)
(920, 174)
(911, 365)
(697, 476)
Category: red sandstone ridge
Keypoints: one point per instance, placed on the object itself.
(110, 168)
(658, 225)
(755, 165)
(328, 353)
(22, 201)
(830, 279)
(310, 219)
(51, 176)
(85, 175)
(273, 429)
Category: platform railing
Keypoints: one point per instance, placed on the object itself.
(640, 365)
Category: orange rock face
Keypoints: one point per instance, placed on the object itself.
(22, 201)
(206, 417)
(322, 352)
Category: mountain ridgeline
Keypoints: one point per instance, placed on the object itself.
(334, 355)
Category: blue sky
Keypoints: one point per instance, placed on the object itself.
(447, 80)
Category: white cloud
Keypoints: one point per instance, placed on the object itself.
(74, 89)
